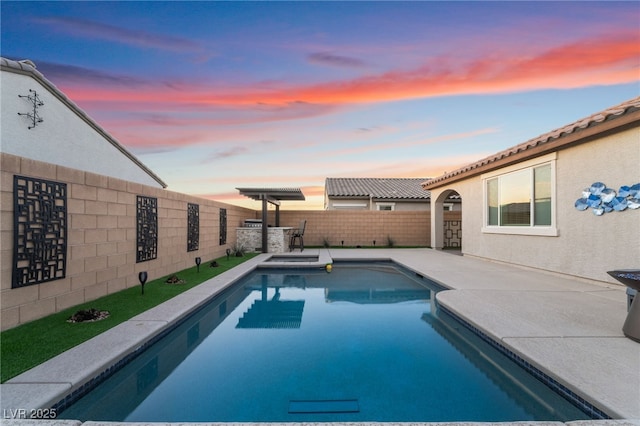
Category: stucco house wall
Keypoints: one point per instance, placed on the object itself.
(345, 203)
(404, 207)
(586, 245)
(66, 136)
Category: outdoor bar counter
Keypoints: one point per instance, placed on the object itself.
(250, 238)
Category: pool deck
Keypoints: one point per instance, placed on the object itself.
(567, 328)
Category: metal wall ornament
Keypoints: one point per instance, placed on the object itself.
(193, 227)
(602, 199)
(146, 228)
(223, 227)
(36, 103)
(40, 231)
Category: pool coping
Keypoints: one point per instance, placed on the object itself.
(31, 422)
(49, 383)
(323, 260)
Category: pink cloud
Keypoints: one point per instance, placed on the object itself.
(418, 142)
(171, 111)
(601, 60)
(191, 113)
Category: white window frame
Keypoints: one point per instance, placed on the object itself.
(350, 206)
(381, 204)
(547, 231)
(448, 207)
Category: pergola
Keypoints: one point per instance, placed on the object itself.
(273, 196)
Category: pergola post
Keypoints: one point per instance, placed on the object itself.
(273, 196)
(265, 228)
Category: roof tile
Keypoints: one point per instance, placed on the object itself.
(387, 188)
(547, 138)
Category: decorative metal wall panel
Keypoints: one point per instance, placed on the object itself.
(223, 227)
(603, 200)
(147, 228)
(193, 227)
(40, 231)
(452, 233)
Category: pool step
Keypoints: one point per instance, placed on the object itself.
(324, 406)
(273, 314)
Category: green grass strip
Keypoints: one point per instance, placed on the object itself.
(30, 344)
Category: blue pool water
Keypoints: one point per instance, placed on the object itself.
(362, 343)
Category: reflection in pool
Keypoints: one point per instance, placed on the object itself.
(362, 343)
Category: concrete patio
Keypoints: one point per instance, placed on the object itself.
(567, 328)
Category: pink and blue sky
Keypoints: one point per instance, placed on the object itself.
(214, 95)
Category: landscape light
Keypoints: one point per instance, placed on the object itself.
(142, 276)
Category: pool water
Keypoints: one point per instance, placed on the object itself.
(362, 343)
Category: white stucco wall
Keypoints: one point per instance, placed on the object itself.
(405, 207)
(587, 245)
(63, 138)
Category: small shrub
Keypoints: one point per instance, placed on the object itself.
(88, 315)
(238, 250)
(390, 241)
(173, 279)
(326, 243)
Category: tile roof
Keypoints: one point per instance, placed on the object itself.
(29, 68)
(548, 142)
(382, 188)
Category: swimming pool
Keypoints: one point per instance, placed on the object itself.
(362, 343)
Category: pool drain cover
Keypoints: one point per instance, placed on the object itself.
(324, 406)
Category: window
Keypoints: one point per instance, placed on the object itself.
(519, 199)
(386, 206)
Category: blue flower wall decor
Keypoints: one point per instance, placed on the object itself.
(604, 200)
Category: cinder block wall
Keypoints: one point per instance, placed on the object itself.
(101, 240)
(362, 227)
